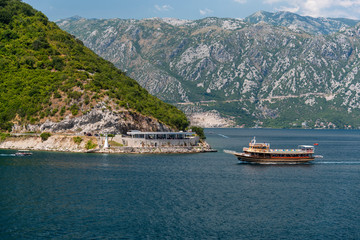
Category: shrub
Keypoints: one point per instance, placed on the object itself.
(6, 126)
(87, 99)
(58, 63)
(57, 94)
(44, 136)
(40, 43)
(90, 145)
(3, 136)
(54, 111)
(77, 140)
(62, 111)
(74, 109)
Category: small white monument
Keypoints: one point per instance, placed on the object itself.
(106, 144)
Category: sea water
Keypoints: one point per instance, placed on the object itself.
(186, 196)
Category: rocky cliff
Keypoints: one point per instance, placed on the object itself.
(98, 120)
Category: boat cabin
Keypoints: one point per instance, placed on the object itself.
(307, 148)
(258, 147)
(261, 147)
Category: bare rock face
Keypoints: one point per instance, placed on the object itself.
(99, 120)
(211, 119)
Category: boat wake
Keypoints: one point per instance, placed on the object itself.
(221, 135)
(301, 163)
(7, 155)
(276, 163)
(339, 162)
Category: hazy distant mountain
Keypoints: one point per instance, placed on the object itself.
(249, 73)
(304, 23)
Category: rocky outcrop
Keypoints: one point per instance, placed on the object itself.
(99, 120)
(211, 119)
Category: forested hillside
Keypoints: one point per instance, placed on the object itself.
(45, 73)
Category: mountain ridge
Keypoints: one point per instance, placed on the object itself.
(308, 24)
(243, 71)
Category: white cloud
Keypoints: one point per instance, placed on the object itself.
(288, 9)
(240, 1)
(206, 11)
(163, 8)
(272, 1)
(318, 8)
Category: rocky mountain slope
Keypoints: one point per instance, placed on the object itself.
(297, 22)
(49, 81)
(247, 74)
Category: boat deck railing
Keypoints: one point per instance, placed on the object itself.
(300, 151)
(292, 150)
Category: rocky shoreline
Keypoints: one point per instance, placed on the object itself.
(65, 143)
(157, 150)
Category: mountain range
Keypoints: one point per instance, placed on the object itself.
(269, 69)
(307, 24)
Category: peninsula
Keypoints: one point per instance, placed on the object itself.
(51, 83)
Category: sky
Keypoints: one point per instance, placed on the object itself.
(192, 9)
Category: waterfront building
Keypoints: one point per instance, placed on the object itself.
(158, 139)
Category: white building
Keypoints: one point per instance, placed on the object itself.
(158, 139)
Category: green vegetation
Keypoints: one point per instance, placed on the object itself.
(90, 145)
(199, 131)
(115, 144)
(77, 140)
(43, 69)
(45, 136)
(3, 136)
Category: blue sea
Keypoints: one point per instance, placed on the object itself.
(186, 196)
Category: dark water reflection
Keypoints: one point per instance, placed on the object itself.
(193, 196)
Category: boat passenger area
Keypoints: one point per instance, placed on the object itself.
(265, 147)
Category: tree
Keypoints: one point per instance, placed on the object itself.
(45, 136)
(199, 131)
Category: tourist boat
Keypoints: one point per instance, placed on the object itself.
(261, 153)
(21, 153)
